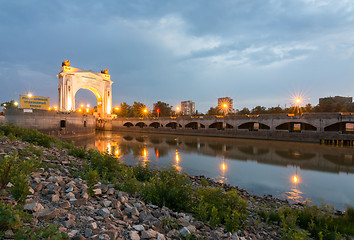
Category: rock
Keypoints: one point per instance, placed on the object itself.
(81, 202)
(73, 233)
(55, 198)
(97, 191)
(33, 206)
(69, 223)
(148, 234)
(138, 227)
(184, 232)
(104, 212)
(93, 225)
(65, 205)
(160, 236)
(9, 234)
(134, 235)
(88, 233)
(106, 203)
(47, 213)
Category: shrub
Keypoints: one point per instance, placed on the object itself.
(219, 207)
(13, 218)
(143, 173)
(350, 214)
(169, 188)
(92, 178)
(16, 170)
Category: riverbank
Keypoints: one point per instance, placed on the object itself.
(90, 209)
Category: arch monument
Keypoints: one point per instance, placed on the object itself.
(73, 79)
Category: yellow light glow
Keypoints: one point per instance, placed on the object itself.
(87, 109)
(82, 105)
(116, 152)
(145, 153)
(16, 103)
(55, 107)
(225, 105)
(223, 166)
(49, 109)
(178, 109)
(80, 110)
(295, 179)
(145, 110)
(116, 108)
(177, 157)
(298, 100)
(29, 95)
(88, 105)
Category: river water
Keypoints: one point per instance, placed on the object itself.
(295, 171)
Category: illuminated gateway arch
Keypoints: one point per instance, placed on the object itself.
(72, 80)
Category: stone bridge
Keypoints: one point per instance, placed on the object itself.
(317, 126)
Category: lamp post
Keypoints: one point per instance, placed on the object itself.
(298, 101)
(178, 109)
(225, 108)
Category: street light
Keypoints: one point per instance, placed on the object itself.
(225, 108)
(298, 101)
(178, 109)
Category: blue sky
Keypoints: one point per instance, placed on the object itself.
(258, 52)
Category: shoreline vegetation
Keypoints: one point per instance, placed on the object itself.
(44, 182)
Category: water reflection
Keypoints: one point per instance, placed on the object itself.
(293, 171)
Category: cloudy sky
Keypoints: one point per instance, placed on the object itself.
(259, 52)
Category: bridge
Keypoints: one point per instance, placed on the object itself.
(328, 127)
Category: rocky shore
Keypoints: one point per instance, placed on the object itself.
(59, 197)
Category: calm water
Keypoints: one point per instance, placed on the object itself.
(293, 171)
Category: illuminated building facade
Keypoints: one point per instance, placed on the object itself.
(187, 108)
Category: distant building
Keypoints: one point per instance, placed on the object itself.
(336, 99)
(226, 103)
(187, 108)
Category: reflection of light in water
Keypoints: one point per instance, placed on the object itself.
(295, 179)
(109, 148)
(116, 152)
(157, 153)
(145, 153)
(222, 178)
(145, 156)
(294, 195)
(223, 167)
(177, 158)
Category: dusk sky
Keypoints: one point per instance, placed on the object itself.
(259, 52)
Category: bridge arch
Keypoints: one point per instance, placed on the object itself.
(173, 125)
(155, 125)
(220, 125)
(192, 125)
(73, 79)
(128, 124)
(296, 127)
(344, 127)
(141, 124)
(254, 126)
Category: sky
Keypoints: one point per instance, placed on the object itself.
(258, 52)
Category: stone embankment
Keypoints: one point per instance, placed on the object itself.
(57, 197)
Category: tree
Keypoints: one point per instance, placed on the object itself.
(259, 110)
(162, 109)
(138, 109)
(125, 110)
(213, 111)
(244, 111)
(275, 110)
(10, 105)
